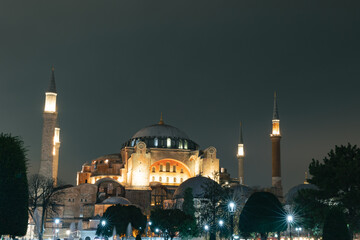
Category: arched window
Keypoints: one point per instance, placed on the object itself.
(156, 142)
(168, 167)
(185, 144)
(153, 178)
(160, 179)
(181, 170)
(174, 179)
(167, 179)
(161, 168)
(181, 179)
(180, 144)
(168, 142)
(133, 142)
(174, 168)
(153, 169)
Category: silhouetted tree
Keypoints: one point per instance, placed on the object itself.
(43, 200)
(262, 214)
(212, 206)
(119, 216)
(335, 226)
(338, 181)
(169, 221)
(13, 186)
(189, 227)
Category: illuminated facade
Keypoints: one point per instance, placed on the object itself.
(151, 165)
(51, 134)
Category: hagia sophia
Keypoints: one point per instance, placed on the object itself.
(152, 169)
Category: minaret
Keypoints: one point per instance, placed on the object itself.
(51, 134)
(275, 137)
(240, 156)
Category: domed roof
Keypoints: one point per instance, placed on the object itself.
(161, 130)
(116, 200)
(198, 185)
(162, 135)
(293, 192)
(241, 191)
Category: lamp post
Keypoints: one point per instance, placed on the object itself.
(290, 219)
(298, 229)
(232, 209)
(56, 233)
(206, 228)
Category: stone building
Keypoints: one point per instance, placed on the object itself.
(146, 172)
(150, 166)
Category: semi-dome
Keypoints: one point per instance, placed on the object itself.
(293, 192)
(198, 185)
(162, 136)
(116, 200)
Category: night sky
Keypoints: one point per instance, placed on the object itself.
(207, 65)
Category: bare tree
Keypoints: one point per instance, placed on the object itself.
(43, 201)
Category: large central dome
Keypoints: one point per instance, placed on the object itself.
(162, 135)
(160, 130)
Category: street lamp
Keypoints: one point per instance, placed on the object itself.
(290, 219)
(232, 209)
(298, 229)
(103, 223)
(221, 223)
(206, 228)
(56, 221)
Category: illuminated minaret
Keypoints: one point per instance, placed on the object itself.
(51, 134)
(275, 137)
(240, 156)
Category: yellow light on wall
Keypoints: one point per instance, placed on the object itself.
(57, 135)
(275, 127)
(240, 152)
(50, 102)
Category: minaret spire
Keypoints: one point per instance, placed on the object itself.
(51, 134)
(52, 86)
(240, 156)
(275, 111)
(275, 137)
(241, 141)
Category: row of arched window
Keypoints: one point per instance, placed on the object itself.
(163, 142)
(167, 179)
(167, 168)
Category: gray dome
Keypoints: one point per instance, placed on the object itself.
(162, 136)
(241, 191)
(116, 200)
(161, 130)
(293, 192)
(198, 185)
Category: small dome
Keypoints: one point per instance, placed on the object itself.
(116, 200)
(198, 185)
(86, 165)
(241, 191)
(293, 192)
